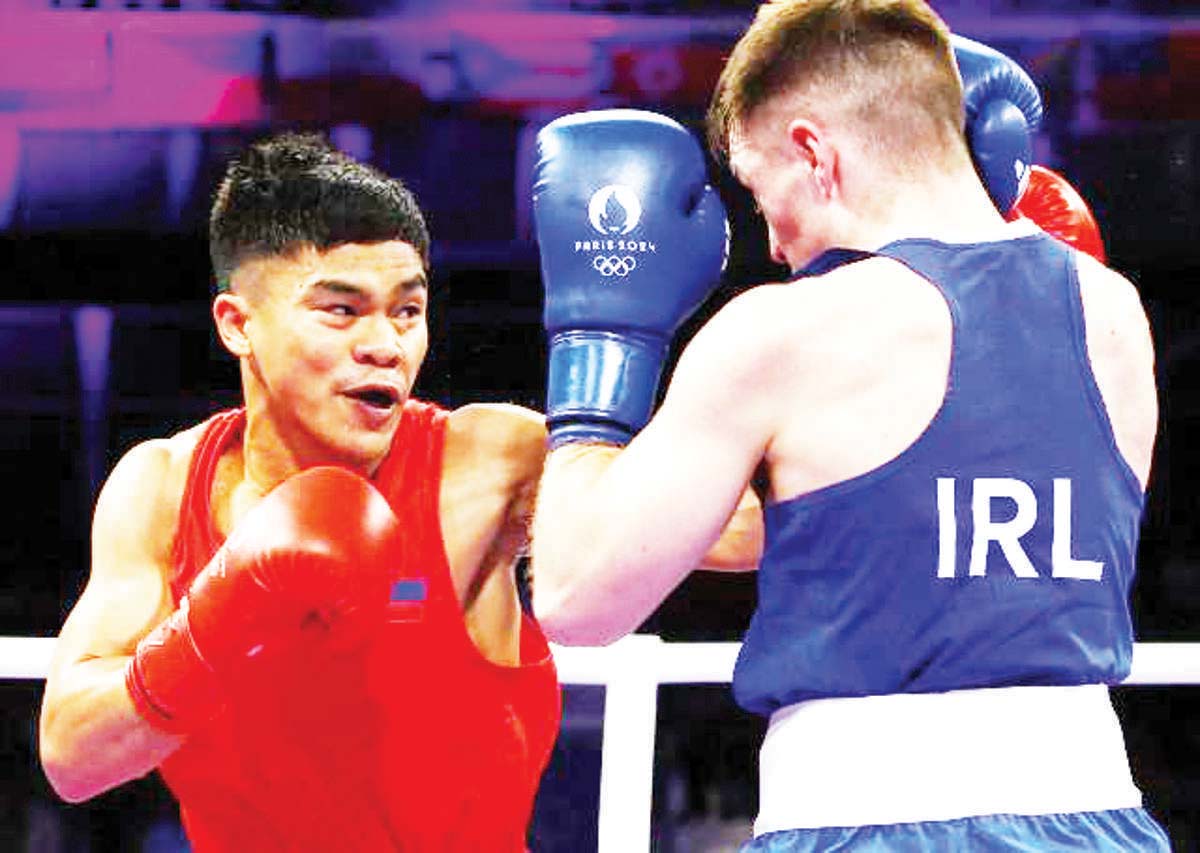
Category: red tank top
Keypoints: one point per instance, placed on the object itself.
(415, 743)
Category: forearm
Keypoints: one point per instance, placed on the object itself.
(602, 559)
(560, 535)
(91, 737)
(581, 596)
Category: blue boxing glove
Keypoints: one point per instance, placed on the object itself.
(1003, 110)
(632, 241)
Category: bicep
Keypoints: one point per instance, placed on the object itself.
(126, 594)
(741, 544)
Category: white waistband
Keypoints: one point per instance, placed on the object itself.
(937, 756)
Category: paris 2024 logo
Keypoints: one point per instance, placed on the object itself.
(614, 212)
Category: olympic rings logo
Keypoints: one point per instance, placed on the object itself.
(614, 265)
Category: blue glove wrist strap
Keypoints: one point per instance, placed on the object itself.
(601, 385)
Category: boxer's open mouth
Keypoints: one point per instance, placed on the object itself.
(377, 396)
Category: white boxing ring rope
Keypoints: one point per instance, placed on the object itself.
(631, 670)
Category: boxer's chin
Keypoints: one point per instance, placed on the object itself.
(362, 433)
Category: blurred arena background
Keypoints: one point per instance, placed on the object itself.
(117, 116)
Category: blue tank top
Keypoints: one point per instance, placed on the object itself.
(997, 549)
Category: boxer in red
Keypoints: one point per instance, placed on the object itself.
(303, 612)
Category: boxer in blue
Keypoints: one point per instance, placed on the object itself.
(956, 415)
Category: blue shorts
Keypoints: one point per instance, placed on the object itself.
(1117, 831)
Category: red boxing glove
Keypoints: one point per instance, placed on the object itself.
(1051, 203)
(311, 562)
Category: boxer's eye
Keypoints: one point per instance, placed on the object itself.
(409, 311)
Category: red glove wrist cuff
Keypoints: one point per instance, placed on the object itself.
(171, 685)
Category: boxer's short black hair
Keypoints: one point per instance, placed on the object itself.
(296, 190)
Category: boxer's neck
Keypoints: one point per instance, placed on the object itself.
(953, 208)
(271, 453)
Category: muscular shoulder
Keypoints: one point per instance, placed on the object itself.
(847, 312)
(871, 295)
(1110, 301)
(168, 458)
(138, 507)
(133, 530)
(1121, 353)
(1116, 323)
(505, 439)
(855, 338)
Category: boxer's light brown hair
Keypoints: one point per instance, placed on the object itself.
(886, 65)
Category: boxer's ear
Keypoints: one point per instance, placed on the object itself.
(811, 146)
(230, 313)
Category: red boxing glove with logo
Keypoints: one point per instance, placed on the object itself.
(310, 566)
